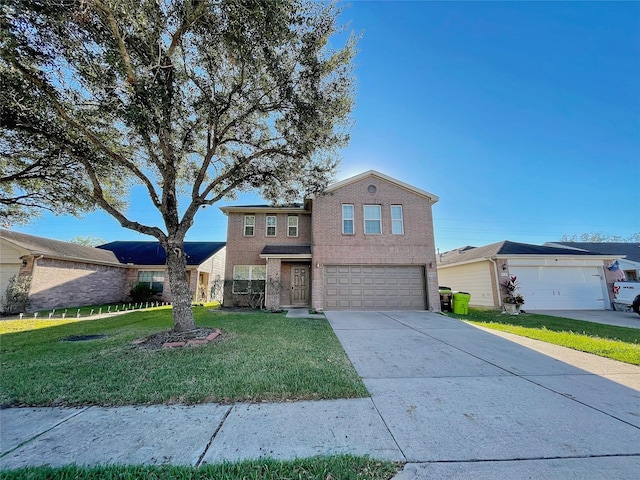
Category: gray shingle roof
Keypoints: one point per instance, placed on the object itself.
(630, 250)
(507, 248)
(58, 249)
(286, 250)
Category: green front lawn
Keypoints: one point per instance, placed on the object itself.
(617, 343)
(261, 356)
(344, 467)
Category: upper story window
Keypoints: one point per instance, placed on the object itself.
(292, 223)
(347, 219)
(249, 225)
(372, 219)
(271, 225)
(397, 222)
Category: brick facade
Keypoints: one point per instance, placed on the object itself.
(320, 226)
(245, 250)
(84, 284)
(416, 246)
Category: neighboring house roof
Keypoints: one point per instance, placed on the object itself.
(507, 248)
(57, 249)
(434, 198)
(629, 250)
(151, 253)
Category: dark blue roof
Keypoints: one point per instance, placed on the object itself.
(151, 253)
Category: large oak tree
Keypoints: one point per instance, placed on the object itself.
(192, 99)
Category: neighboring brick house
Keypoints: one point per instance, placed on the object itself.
(365, 243)
(65, 274)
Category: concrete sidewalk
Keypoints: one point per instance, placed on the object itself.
(608, 317)
(450, 399)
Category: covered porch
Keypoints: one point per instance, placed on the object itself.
(288, 276)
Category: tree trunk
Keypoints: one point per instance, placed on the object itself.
(181, 296)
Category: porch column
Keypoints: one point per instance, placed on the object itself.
(274, 284)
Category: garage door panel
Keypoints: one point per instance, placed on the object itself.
(374, 287)
(560, 288)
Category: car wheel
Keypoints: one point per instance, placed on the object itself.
(636, 305)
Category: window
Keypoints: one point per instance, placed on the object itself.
(372, 219)
(249, 225)
(271, 225)
(397, 224)
(153, 280)
(249, 278)
(293, 227)
(347, 219)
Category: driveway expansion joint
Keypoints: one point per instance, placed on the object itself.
(215, 433)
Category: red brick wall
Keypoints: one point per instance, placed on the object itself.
(243, 250)
(416, 246)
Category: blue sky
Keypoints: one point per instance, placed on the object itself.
(523, 117)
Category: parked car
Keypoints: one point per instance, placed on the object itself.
(627, 296)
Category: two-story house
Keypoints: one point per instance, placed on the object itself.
(365, 243)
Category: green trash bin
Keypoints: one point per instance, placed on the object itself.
(461, 303)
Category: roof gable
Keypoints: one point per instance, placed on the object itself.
(152, 253)
(373, 173)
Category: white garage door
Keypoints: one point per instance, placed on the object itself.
(374, 287)
(560, 288)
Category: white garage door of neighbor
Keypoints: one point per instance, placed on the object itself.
(560, 288)
(374, 287)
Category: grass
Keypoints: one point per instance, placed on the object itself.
(61, 316)
(262, 357)
(345, 467)
(617, 343)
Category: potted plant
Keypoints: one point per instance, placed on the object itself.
(512, 300)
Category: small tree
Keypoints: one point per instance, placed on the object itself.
(16, 297)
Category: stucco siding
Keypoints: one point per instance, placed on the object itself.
(473, 278)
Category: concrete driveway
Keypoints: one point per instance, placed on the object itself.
(464, 403)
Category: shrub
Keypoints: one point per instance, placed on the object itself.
(16, 297)
(141, 293)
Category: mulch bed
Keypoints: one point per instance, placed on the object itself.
(171, 339)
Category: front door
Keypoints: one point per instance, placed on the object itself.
(300, 285)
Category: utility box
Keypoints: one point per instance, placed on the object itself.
(461, 303)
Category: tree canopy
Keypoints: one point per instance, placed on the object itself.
(597, 237)
(194, 100)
